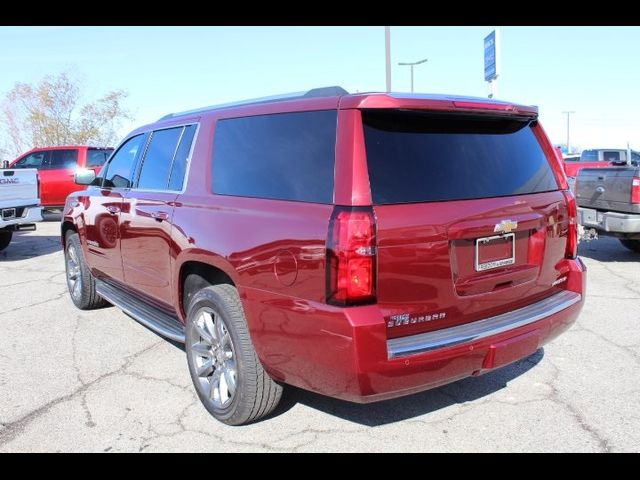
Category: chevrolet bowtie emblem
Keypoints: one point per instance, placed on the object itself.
(505, 226)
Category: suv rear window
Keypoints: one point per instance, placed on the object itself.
(284, 156)
(420, 157)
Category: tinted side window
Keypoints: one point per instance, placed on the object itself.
(417, 157)
(287, 156)
(63, 159)
(97, 157)
(156, 166)
(180, 161)
(34, 160)
(120, 169)
(181, 158)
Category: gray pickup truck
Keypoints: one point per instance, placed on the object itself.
(609, 202)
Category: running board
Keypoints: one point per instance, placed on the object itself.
(148, 315)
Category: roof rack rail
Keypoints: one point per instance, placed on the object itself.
(332, 91)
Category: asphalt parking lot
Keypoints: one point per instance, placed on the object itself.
(99, 381)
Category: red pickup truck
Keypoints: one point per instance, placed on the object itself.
(57, 167)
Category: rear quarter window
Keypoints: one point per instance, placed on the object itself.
(181, 157)
(285, 156)
(419, 157)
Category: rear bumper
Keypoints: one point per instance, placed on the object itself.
(404, 375)
(30, 214)
(476, 331)
(613, 222)
(345, 353)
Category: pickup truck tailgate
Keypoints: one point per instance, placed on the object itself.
(607, 189)
(18, 188)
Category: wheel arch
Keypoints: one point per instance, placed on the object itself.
(195, 273)
(64, 228)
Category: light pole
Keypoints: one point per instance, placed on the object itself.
(568, 114)
(387, 56)
(412, 64)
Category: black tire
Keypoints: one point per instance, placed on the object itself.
(633, 245)
(5, 239)
(84, 295)
(255, 393)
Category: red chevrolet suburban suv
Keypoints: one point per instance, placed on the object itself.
(57, 167)
(361, 246)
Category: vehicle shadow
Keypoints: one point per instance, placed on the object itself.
(399, 409)
(396, 410)
(24, 246)
(607, 249)
(49, 216)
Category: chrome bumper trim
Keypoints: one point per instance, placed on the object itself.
(448, 337)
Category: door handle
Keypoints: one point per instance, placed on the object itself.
(113, 210)
(160, 216)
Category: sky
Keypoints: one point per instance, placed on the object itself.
(590, 70)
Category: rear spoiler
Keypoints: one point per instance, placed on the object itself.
(438, 103)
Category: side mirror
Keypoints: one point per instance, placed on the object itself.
(85, 176)
(5, 164)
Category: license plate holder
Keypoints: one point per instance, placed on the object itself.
(8, 213)
(495, 252)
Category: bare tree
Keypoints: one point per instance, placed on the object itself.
(51, 113)
(4, 156)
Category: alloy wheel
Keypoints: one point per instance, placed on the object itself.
(213, 355)
(74, 277)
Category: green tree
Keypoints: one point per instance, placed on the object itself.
(51, 112)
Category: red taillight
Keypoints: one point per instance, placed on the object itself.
(351, 257)
(635, 190)
(572, 232)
